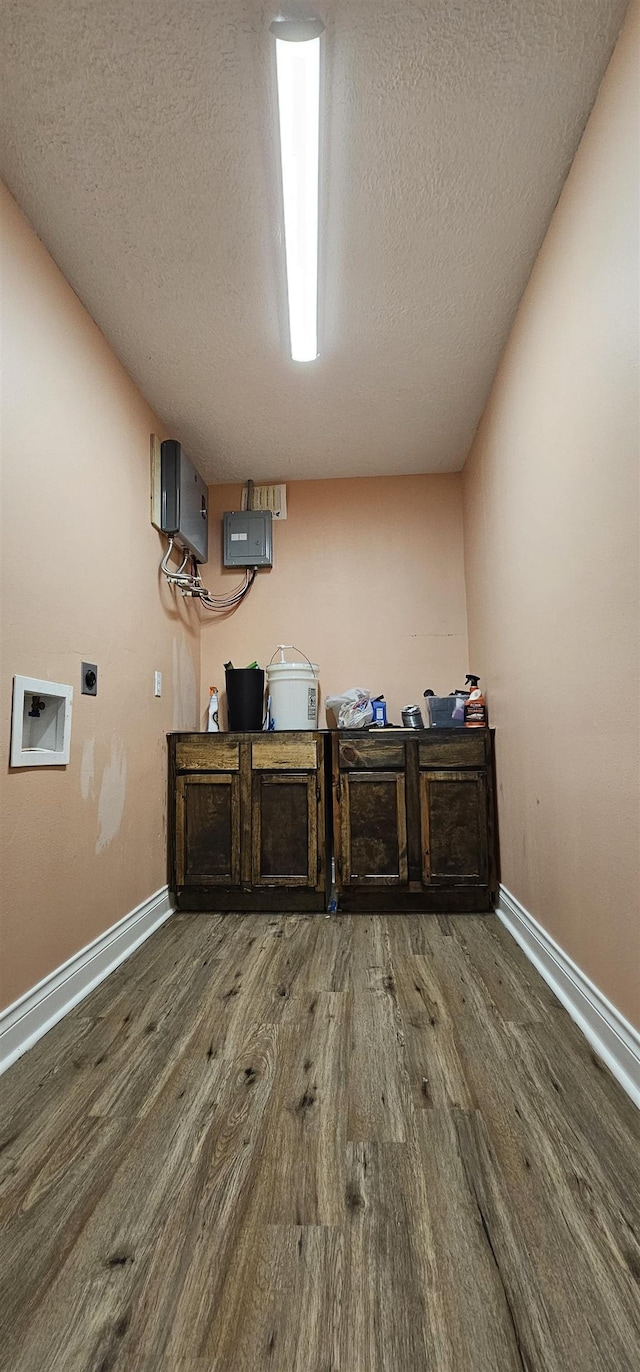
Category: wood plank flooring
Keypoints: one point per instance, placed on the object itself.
(309, 1144)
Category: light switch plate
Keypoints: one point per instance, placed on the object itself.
(157, 683)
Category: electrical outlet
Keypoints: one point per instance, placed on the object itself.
(89, 679)
(157, 683)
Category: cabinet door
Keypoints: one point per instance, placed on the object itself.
(284, 829)
(453, 809)
(208, 829)
(373, 829)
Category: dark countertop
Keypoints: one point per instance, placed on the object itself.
(441, 731)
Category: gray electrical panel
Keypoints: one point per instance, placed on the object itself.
(183, 501)
(247, 538)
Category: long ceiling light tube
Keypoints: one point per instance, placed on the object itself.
(298, 77)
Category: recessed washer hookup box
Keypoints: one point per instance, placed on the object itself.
(247, 538)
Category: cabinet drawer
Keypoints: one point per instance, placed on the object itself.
(210, 753)
(466, 751)
(368, 752)
(272, 753)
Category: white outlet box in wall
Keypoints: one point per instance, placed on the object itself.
(40, 723)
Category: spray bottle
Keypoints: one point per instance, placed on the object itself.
(212, 713)
(475, 709)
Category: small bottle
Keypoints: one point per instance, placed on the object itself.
(475, 709)
(212, 713)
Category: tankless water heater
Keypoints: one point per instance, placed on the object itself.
(183, 501)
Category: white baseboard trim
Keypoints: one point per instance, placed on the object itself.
(612, 1037)
(24, 1022)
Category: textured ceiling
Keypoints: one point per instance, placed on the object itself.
(139, 139)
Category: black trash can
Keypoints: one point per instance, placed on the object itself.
(245, 697)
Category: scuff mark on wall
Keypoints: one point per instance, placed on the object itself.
(87, 770)
(112, 796)
(185, 700)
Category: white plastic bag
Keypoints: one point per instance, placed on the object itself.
(353, 709)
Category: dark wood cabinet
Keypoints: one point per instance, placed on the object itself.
(284, 829)
(454, 828)
(373, 829)
(208, 829)
(412, 825)
(414, 820)
(247, 824)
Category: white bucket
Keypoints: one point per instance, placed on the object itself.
(293, 688)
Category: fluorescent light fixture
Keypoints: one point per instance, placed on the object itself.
(298, 73)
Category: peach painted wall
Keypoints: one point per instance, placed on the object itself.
(552, 536)
(83, 845)
(368, 581)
